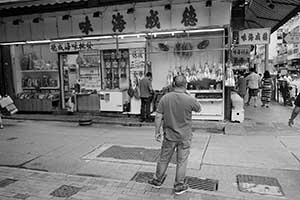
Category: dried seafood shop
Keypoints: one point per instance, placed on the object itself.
(86, 59)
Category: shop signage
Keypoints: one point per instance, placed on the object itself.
(242, 51)
(144, 18)
(254, 36)
(70, 46)
(292, 38)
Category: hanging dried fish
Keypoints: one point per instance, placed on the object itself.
(203, 44)
(163, 47)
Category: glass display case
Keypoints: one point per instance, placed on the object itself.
(115, 69)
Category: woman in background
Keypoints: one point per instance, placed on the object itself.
(267, 88)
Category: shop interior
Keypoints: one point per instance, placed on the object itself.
(98, 79)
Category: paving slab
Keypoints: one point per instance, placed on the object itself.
(292, 143)
(121, 171)
(288, 179)
(250, 151)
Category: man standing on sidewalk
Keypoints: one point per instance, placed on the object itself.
(296, 110)
(146, 92)
(175, 110)
(253, 82)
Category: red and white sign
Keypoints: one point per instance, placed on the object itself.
(254, 36)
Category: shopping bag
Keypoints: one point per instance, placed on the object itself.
(5, 101)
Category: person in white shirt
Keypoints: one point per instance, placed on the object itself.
(253, 82)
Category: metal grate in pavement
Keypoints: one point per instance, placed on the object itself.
(259, 184)
(6, 182)
(202, 184)
(21, 196)
(65, 191)
(133, 153)
(144, 177)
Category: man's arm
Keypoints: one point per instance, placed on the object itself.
(158, 123)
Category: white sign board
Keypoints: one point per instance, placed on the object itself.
(292, 38)
(254, 36)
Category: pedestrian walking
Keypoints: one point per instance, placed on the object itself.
(175, 113)
(146, 93)
(253, 82)
(295, 111)
(267, 88)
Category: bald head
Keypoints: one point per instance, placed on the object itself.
(180, 81)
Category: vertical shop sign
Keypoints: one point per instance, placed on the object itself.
(254, 36)
(189, 16)
(86, 26)
(152, 21)
(118, 22)
(70, 46)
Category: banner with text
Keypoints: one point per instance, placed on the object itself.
(254, 36)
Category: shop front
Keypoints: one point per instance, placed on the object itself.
(87, 62)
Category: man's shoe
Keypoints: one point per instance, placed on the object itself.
(181, 188)
(142, 120)
(155, 183)
(1, 126)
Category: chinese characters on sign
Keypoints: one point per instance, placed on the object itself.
(242, 51)
(70, 46)
(254, 36)
(86, 26)
(189, 16)
(152, 20)
(118, 22)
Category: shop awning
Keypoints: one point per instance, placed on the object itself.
(269, 13)
(10, 4)
(254, 13)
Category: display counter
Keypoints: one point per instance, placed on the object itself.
(212, 104)
(88, 102)
(112, 100)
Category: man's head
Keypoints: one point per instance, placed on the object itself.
(180, 81)
(149, 74)
(252, 69)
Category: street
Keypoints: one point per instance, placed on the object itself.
(67, 148)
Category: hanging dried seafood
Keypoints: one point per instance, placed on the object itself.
(163, 47)
(183, 50)
(203, 44)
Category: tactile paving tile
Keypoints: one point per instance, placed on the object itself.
(133, 153)
(65, 191)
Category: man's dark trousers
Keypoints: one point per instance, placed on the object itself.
(145, 108)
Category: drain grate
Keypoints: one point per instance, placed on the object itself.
(133, 153)
(21, 196)
(6, 182)
(202, 184)
(65, 191)
(259, 184)
(144, 177)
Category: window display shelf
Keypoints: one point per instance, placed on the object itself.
(30, 71)
(205, 91)
(42, 88)
(210, 99)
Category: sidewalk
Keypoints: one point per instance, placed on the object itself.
(37, 185)
(256, 120)
(62, 153)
